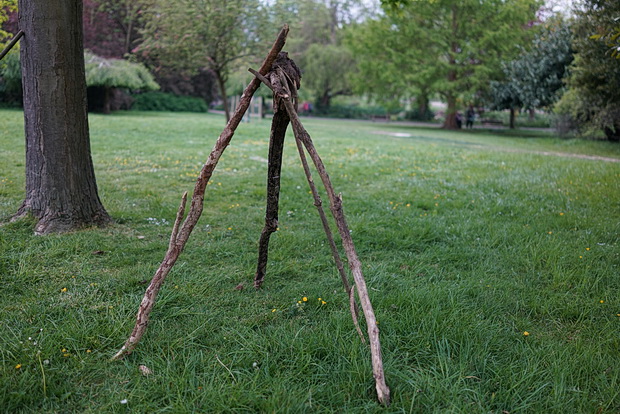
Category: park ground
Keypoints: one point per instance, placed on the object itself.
(492, 259)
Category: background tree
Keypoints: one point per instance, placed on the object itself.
(536, 78)
(61, 191)
(384, 57)
(593, 99)
(459, 46)
(316, 44)
(190, 35)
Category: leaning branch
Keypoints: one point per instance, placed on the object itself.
(178, 241)
(12, 43)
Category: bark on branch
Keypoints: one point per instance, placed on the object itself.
(178, 240)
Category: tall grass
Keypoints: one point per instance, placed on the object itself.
(468, 241)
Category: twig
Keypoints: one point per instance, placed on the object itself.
(197, 204)
(353, 308)
(227, 369)
(12, 43)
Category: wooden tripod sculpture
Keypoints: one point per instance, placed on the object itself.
(282, 76)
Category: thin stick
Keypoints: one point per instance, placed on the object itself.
(319, 206)
(383, 392)
(12, 43)
(353, 308)
(197, 204)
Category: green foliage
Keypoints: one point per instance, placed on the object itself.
(467, 240)
(117, 73)
(6, 6)
(315, 43)
(446, 47)
(160, 101)
(536, 78)
(11, 79)
(595, 77)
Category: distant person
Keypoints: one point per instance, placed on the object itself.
(459, 120)
(470, 115)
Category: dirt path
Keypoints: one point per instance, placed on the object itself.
(504, 149)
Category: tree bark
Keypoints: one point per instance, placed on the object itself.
(222, 84)
(61, 191)
(450, 121)
(512, 118)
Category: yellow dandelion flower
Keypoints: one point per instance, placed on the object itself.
(230, 228)
(88, 351)
(63, 289)
(581, 257)
(561, 214)
(323, 302)
(66, 354)
(305, 299)
(408, 205)
(63, 350)
(273, 310)
(319, 299)
(587, 249)
(601, 301)
(298, 301)
(18, 366)
(550, 232)
(526, 333)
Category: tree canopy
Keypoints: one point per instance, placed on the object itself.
(593, 99)
(456, 48)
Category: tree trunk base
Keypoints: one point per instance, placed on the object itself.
(60, 223)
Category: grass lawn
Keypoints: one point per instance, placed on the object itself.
(492, 259)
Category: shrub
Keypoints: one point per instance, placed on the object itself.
(162, 101)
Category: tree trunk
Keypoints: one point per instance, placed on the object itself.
(512, 118)
(450, 121)
(61, 191)
(222, 85)
(107, 96)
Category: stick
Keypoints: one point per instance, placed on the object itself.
(279, 124)
(12, 43)
(354, 312)
(176, 247)
(383, 392)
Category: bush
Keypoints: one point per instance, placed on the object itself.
(351, 111)
(415, 115)
(161, 101)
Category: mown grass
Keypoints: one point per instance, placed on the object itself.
(468, 240)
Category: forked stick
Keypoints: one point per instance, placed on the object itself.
(180, 235)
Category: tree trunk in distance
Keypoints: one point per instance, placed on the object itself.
(450, 121)
(222, 85)
(61, 191)
(512, 118)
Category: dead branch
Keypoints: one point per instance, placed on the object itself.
(12, 43)
(177, 245)
(383, 392)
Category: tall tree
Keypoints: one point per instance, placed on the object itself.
(457, 45)
(593, 99)
(190, 35)
(316, 44)
(536, 78)
(61, 191)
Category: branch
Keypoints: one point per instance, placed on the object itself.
(12, 43)
(181, 235)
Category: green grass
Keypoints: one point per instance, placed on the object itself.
(467, 240)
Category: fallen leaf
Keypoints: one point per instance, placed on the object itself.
(98, 252)
(141, 237)
(239, 286)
